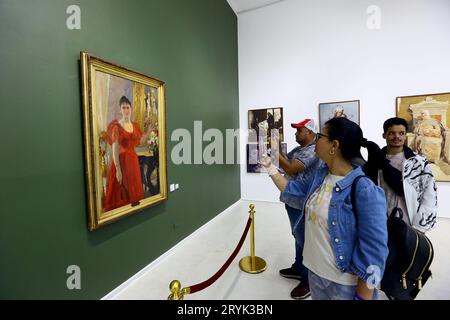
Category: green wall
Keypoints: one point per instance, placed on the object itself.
(189, 44)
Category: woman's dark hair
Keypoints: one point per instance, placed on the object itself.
(349, 135)
(124, 100)
(394, 122)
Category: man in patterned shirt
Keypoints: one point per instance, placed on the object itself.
(298, 163)
(406, 178)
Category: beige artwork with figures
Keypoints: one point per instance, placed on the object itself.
(428, 117)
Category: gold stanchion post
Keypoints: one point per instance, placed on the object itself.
(252, 264)
(177, 292)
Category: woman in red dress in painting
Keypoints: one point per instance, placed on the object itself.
(124, 180)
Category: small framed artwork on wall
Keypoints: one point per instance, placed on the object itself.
(345, 109)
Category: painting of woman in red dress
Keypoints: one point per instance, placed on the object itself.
(124, 184)
(124, 122)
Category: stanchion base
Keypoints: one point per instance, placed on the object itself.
(246, 265)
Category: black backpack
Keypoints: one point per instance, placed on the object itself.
(410, 256)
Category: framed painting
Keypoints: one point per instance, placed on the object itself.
(261, 122)
(347, 109)
(125, 140)
(428, 134)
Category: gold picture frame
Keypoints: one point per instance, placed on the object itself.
(428, 134)
(124, 120)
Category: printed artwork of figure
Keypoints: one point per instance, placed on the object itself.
(339, 112)
(263, 121)
(428, 140)
(342, 109)
(124, 180)
(128, 122)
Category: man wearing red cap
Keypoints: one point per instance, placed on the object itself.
(298, 163)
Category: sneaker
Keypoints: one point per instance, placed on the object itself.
(290, 273)
(301, 291)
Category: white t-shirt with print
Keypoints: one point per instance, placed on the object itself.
(318, 254)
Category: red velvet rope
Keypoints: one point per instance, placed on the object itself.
(211, 280)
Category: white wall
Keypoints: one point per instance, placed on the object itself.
(298, 53)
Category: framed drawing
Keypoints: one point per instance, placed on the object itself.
(263, 121)
(347, 109)
(428, 134)
(125, 140)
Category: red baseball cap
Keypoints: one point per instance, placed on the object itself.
(308, 124)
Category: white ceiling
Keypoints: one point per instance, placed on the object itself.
(240, 6)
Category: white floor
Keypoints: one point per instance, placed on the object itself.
(199, 256)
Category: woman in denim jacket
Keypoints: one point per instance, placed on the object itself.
(345, 255)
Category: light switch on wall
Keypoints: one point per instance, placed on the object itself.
(172, 187)
(177, 186)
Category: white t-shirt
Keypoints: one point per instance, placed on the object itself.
(393, 200)
(318, 254)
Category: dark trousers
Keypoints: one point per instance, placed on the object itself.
(297, 220)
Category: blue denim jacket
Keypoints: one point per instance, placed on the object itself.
(359, 247)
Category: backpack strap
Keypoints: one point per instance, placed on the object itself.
(353, 196)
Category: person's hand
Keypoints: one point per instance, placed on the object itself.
(119, 175)
(266, 162)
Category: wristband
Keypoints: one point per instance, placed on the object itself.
(272, 170)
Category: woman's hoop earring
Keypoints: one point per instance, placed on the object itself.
(332, 152)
